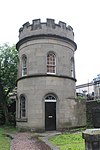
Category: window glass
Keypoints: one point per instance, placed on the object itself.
(22, 106)
(50, 98)
(72, 68)
(51, 63)
(24, 65)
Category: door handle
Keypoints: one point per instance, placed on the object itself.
(50, 116)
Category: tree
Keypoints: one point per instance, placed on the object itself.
(8, 75)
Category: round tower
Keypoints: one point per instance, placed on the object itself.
(46, 76)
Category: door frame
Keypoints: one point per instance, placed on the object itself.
(48, 101)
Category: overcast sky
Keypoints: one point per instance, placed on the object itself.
(82, 15)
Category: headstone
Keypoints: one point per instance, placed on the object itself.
(92, 139)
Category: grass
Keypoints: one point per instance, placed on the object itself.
(68, 141)
(4, 140)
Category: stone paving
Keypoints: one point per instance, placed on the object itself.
(28, 141)
(45, 136)
(22, 141)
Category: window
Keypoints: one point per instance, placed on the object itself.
(24, 65)
(51, 63)
(22, 107)
(50, 98)
(72, 68)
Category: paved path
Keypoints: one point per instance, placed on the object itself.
(23, 141)
(28, 141)
(46, 135)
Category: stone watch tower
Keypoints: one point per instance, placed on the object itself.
(46, 76)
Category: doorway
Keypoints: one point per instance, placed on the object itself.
(50, 113)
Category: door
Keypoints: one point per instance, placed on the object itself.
(50, 116)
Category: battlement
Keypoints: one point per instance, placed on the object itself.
(46, 28)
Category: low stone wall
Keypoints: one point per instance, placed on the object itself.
(93, 113)
(80, 110)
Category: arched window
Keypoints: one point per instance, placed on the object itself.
(72, 68)
(24, 65)
(51, 63)
(50, 98)
(22, 106)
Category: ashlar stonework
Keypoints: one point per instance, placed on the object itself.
(46, 77)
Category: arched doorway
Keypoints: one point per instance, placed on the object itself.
(50, 112)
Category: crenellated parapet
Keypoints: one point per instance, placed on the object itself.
(46, 28)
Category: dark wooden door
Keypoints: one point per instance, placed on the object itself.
(50, 116)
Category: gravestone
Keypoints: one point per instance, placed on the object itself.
(92, 139)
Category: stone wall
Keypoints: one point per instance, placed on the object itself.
(36, 40)
(48, 27)
(36, 52)
(93, 113)
(76, 115)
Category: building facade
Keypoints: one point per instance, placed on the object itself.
(86, 91)
(46, 77)
(96, 83)
(91, 90)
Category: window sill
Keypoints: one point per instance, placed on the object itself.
(21, 119)
(51, 73)
(23, 75)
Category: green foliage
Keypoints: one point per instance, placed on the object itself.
(79, 98)
(4, 141)
(8, 72)
(8, 129)
(69, 141)
(2, 120)
(8, 75)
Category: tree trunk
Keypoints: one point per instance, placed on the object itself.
(6, 113)
(3, 103)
